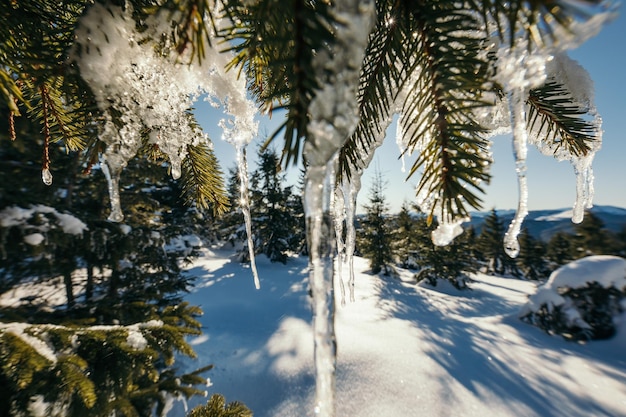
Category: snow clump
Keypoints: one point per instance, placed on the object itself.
(582, 300)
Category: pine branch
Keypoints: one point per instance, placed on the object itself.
(389, 63)
(553, 114)
(202, 180)
(438, 115)
(274, 45)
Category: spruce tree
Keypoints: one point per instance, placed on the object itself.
(591, 237)
(231, 228)
(405, 237)
(560, 249)
(273, 220)
(532, 258)
(452, 263)
(376, 235)
(491, 249)
(620, 238)
(132, 289)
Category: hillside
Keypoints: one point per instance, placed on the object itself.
(545, 223)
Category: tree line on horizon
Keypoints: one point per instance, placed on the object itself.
(404, 239)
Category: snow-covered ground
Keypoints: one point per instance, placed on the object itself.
(403, 350)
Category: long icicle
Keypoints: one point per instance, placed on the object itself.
(320, 227)
(244, 203)
(333, 118)
(339, 216)
(520, 149)
(352, 191)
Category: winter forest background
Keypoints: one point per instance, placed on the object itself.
(118, 227)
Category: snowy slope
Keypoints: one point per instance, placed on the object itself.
(403, 350)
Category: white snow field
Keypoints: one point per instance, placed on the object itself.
(403, 350)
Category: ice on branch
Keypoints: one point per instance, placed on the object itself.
(576, 80)
(145, 90)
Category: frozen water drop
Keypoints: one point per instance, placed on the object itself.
(46, 176)
(176, 168)
(511, 246)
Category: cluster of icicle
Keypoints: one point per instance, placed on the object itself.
(150, 87)
(520, 68)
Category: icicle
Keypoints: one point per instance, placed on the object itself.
(580, 86)
(244, 203)
(338, 203)
(141, 90)
(46, 175)
(584, 187)
(520, 68)
(112, 172)
(353, 190)
(333, 118)
(317, 196)
(520, 149)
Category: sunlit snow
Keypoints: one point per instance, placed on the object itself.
(403, 350)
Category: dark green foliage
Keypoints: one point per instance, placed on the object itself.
(231, 228)
(271, 219)
(217, 407)
(491, 248)
(620, 239)
(413, 46)
(376, 234)
(560, 249)
(98, 371)
(552, 114)
(276, 211)
(40, 85)
(452, 263)
(591, 237)
(406, 238)
(131, 279)
(595, 307)
(274, 44)
(531, 260)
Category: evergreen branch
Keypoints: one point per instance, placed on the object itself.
(389, 64)
(561, 122)
(10, 92)
(438, 114)
(73, 374)
(274, 44)
(202, 180)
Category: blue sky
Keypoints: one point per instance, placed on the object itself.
(551, 184)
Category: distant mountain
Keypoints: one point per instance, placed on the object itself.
(545, 223)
